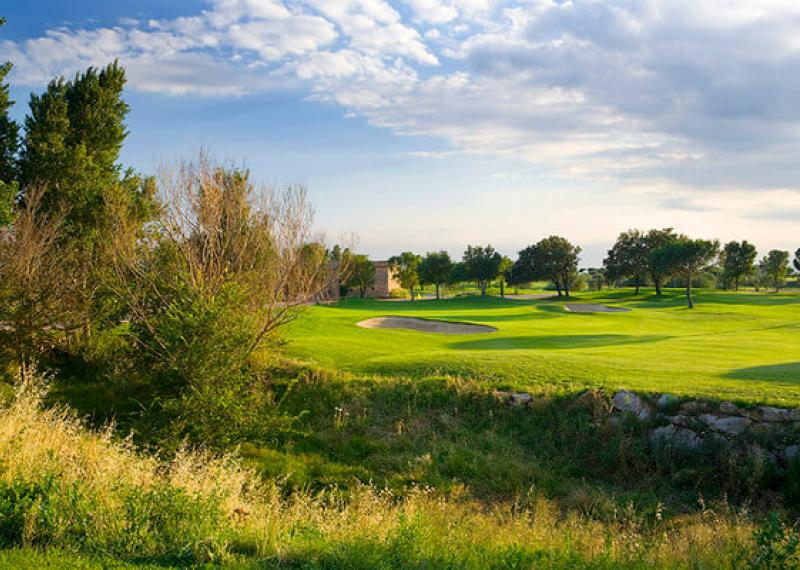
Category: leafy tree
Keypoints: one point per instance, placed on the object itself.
(775, 267)
(685, 258)
(553, 258)
(404, 267)
(361, 273)
(506, 267)
(628, 258)
(9, 130)
(458, 273)
(482, 265)
(596, 278)
(796, 261)
(436, 268)
(656, 239)
(737, 262)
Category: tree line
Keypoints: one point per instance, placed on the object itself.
(637, 258)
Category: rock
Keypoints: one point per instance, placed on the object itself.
(520, 398)
(629, 403)
(767, 431)
(770, 414)
(790, 453)
(594, 401)
(666, 401)
(676, 436)
(729, 408)
(693, 408)
(730, 426)
(794, 415)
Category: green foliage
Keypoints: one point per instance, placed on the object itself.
(737, 262)
(775, 267)
(796, 260)
(8, 195)
(404, 267)
(628, 258)
(9, 133)
(482, 265)
(777, 546)
(552, 258)
(435, 269)
(361, 274)
(658, 265)
(685, 258)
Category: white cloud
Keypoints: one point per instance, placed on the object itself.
(636, 93)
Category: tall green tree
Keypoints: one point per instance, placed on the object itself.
(775, 267)
(361, 274)
(482, 265)
(656, 239)
(9, 142)
(404, 267)
(628, 258)
(505, 274)
(796, 261)
(435, 269)
(685, 258)
(738, 259)
(553, 258)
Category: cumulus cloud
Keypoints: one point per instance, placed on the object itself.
(637, 93)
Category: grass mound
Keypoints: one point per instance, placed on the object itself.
(65, 487)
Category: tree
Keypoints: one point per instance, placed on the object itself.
(655, 239)
(435, 269)
(404, 268)
(506, 267)
(685, 257)
(796, 261)
(737, 262)
(775, 267)
(482, 265)
(628, 258)
(553, 258)
(361, 274)
(9, 130)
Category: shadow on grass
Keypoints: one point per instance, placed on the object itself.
(788, 373)
(550, 342)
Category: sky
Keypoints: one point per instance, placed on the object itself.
(429, 124)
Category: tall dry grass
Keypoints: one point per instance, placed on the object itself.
(64, 486)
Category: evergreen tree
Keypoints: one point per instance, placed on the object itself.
(9, 140)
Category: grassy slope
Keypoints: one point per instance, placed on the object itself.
(742, 346)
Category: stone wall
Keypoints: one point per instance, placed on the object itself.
(771, 433)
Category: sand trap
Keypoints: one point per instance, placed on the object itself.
(425, 325)
(587, 308)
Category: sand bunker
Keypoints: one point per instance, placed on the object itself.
(587, 308)
(425, 325)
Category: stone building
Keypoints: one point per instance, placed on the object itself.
(384, 284)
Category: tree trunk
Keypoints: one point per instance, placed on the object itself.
(437, 291)
(557, 284)
(483, 288)
(689, 301)
(502, 290)
(411, 290)
(657, 283)
(637, 286)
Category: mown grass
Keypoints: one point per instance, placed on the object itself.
(68, 492)
(739, 346)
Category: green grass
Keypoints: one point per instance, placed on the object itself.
(739, 346)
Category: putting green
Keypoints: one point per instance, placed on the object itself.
(740, 346)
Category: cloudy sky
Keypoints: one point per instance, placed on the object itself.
(427, 124)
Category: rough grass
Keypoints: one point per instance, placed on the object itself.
(740, 346)
(66, 491)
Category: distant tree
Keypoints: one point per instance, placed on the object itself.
(553, 258)
(435, 269)
(596, 278)
(628, 258)
(506, 267)
(775, 267)
(796, 261)
(482, 265)
(9, 130)
(458, 273)
(685, 258)
(737, 262)
(361, 274)
(404, 267)
(656, 239)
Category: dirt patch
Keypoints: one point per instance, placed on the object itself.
(588, 308)
(425, 325)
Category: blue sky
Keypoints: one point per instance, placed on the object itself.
(429, 124)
